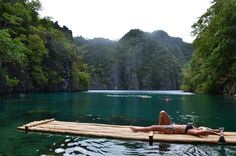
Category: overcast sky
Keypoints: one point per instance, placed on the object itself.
(114, 18)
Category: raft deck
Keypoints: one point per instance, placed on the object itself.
(119, 132)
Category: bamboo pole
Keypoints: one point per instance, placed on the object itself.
(32, 124)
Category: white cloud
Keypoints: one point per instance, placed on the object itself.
(113, 18)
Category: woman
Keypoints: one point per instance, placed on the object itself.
(165, 126)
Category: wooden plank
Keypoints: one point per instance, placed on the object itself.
(119, 132)
(35, 123)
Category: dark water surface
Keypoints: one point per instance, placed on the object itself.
(111, 107)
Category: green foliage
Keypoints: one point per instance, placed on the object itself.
(11, 50)
(138, 61)
(38, 76)
(11, 56)
(212, 66)
(80, 75)
(54, 78)
(100, 62)
(36, 53)
(64, 58)
(11, 82)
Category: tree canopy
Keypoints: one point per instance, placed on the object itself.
(35, 53)
(139, 60)
(212, 68)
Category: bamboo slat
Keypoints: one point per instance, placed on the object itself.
(118, 132)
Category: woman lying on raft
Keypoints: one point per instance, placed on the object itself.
(166, 127)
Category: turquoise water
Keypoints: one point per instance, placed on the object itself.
(111, 107)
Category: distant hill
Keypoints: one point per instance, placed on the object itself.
(139, 60)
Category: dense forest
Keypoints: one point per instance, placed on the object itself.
(37, 54)
(139, 60)
(212, 68)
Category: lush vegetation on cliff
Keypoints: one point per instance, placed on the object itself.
(35, 53)
(212, 68)
(139, 60)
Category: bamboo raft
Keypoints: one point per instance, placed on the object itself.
(119, 132)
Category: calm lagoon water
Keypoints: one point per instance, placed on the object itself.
(111, 107)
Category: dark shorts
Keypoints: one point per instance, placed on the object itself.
(187, 128)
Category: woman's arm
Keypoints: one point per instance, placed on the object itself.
(197, 132)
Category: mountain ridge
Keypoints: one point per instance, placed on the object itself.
(130, 62)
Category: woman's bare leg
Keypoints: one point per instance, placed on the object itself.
(158, 128)
(164, 118)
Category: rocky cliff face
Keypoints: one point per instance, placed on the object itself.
(229, 88)
(181, 50)
(139, 60)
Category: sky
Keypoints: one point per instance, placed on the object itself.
(112, 19)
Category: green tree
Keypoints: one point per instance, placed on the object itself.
(36, 54)
(212, 67)
(12, 55)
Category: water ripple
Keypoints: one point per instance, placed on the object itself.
(101, 147)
